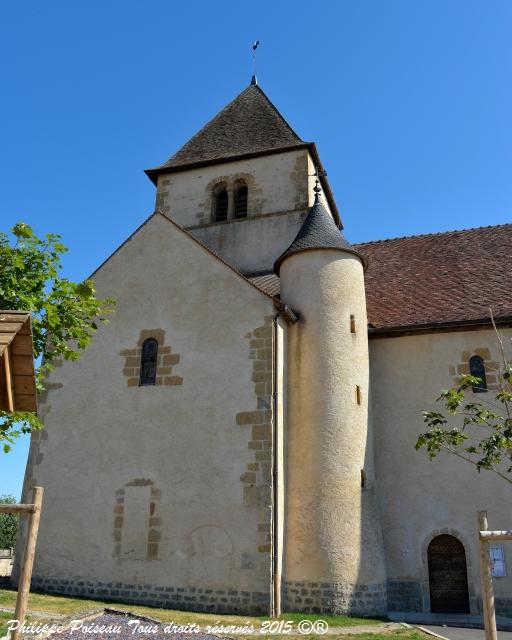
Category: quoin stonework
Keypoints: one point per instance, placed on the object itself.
(244, 427)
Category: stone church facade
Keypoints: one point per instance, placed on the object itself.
(242, 431)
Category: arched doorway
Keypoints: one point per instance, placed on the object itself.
(447, 574)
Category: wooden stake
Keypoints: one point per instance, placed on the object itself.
(491, 632)
(8, 381)
(28, 561)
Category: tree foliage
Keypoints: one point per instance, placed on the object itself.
(65, 314)
(8, 525)
(479, 432)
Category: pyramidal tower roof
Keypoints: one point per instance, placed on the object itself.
(248, 125)
(318, 231)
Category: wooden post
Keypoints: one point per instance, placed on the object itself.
(8, 381)
(27, 562)
(489, 612)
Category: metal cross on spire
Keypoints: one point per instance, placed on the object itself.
(254, 79)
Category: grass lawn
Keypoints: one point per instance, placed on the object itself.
(64, 606)
(3, 620)
(332, 621)
(401, 634)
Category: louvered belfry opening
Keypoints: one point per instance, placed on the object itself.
(220, 204)
(447, 573)
(241, 192)
(148, 362)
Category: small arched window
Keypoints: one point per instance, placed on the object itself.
(148, 361)
(220, 203)
(477, 369)
(240, 200)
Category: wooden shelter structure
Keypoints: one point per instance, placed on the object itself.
(17, 384)
(18, 393)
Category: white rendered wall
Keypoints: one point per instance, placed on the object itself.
(419, 498)
(180, 446)
(280, 189)
(332, 526)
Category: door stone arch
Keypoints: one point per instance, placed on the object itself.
(448, 542)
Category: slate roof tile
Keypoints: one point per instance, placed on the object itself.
(249, 124)
(318, 231)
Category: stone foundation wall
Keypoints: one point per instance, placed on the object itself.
(404, 595)
(184, 598)
(320, 597)
(503, 606)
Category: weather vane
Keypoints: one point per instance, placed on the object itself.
(254, 47)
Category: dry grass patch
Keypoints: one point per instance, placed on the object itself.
(66, 606)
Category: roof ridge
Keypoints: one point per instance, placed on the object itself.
(200, 130)
(278, 113)
(185, 232)
(434, 233)
(209, 126)
(211, 252)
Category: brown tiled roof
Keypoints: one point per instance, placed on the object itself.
(268, 282)
(249, 124)
(436, 279)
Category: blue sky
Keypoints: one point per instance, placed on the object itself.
(409, 103)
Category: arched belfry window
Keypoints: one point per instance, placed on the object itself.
(148, 361)
(477, 369)
(220, 203)
(240, 199)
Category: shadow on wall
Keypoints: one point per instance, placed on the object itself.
(370, 595)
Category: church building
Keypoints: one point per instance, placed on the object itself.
(240, 436)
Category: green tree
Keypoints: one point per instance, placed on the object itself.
(65, 314)
(479, 432)
(8, 525)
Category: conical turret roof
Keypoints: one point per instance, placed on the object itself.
(318, 231)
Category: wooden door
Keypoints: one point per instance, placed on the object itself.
(447, 574)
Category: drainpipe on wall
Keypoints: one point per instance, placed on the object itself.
(277, 519)
(275, 595)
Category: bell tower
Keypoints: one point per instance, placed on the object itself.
(243, 184)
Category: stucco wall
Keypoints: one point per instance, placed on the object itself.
(334, 559)
(6, 562)
(279, 193)
(420, 499)
(146, 492)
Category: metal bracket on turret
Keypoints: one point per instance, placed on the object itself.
(286, 312)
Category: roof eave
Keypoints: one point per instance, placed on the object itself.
(325, 184)
(154, 172)
(451, 325)
(283, 257)
(310, 146)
